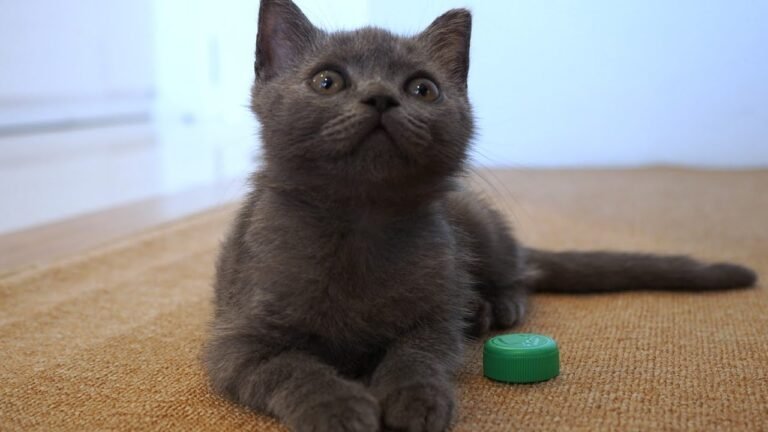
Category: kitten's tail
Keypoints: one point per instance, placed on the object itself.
(590, 272)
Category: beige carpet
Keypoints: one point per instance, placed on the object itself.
(109, 340)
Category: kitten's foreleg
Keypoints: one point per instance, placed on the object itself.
(298, 388)
(414, 381)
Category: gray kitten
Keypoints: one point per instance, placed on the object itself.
(359, 263)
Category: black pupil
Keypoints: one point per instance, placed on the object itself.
(422, 89)
(326, 83)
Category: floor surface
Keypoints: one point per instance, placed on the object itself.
(109, 339)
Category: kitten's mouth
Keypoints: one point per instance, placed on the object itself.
(376, 140)
(378, 135)
(379, 129)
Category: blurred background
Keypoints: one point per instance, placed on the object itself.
(104, 103)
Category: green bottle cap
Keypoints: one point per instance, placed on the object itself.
(521, 358)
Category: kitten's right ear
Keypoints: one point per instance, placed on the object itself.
(284, 33)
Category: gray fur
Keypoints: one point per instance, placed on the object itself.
(359, 264)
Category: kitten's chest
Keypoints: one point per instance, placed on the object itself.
(376, 280)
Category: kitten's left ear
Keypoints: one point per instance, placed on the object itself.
(284, 34)
(448, 41)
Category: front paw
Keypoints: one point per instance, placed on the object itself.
(509, 312)
(419, 407)
(358, 413)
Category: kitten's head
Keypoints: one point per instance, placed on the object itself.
(362, 111)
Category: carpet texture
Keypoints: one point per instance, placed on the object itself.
(110, 340)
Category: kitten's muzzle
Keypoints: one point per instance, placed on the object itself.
(381, 102)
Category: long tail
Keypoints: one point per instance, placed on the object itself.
(589, 272)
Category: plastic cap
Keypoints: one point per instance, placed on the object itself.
(521, 358)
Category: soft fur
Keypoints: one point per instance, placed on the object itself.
(359, 264)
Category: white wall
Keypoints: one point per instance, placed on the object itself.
(572, 83)
(554, 83)
(74, 61)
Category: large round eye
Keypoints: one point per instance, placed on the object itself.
(328, 82)
(423, 89)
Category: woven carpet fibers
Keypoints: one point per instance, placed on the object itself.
(109, 340)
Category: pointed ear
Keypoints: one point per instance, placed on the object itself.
(448, 41)
(284, 34)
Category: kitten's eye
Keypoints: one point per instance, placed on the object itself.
(423, 89)
(328, 82)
